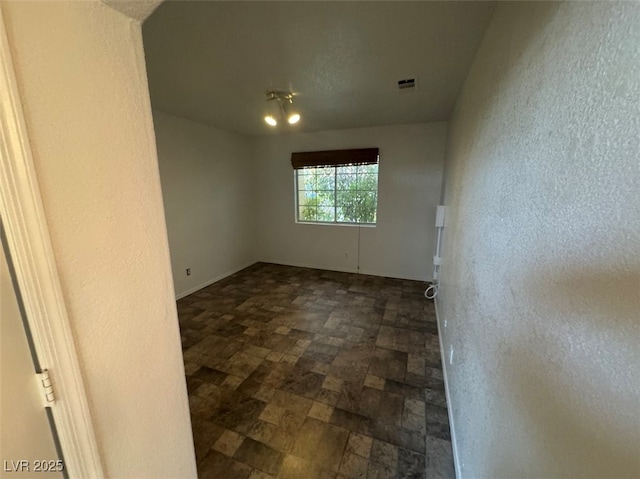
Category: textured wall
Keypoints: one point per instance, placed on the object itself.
(81, 74)
(541, 277)
(401, 244)
(207, 185)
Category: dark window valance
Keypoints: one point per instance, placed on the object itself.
(361, 156)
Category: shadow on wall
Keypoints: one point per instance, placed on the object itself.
(554, 393)
(615, 297)
(482, 100)
(569, 442)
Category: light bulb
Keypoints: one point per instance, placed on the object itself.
(270, 120)
(293, 118)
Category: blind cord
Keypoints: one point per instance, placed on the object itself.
(358, 266)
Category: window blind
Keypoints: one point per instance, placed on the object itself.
(360, 156)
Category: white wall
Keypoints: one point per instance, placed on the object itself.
(207, 185)
(81, 73)
(409, 184)
(540, 284)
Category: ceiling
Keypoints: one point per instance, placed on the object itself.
(212, 62)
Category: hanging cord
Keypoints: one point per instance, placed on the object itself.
(432, 291)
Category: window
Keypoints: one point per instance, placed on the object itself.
(337, 187)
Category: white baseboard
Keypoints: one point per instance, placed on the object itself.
(211, 281)
(391, 275)
(341, 269)
(309, 265)
(454, 444)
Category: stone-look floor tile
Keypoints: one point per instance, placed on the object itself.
(353, 466)
(321, 443)
(332, 383)
(374, 382)
(206, 390)
(413, 422)
(296, 351)
(391, 408)
(265, 394)
(190, 367)
(249, 387)
(205, 435)
(217, 465)
(228, 443)
(439, 459)
(201, 407)
(359, 444)
(328, 397)
(210, 375)
(292, 402)
(436, 398)
(352, 421)
(370, 402)
(232, 382)
(259, 456)
(289, 359)
(257, 351)
(258, 474)
(193, 384)
(416, 365)
(302, 382)
(320, 411)
(350, 396)
(321, 371)
(379, 471)
(274, 356)
(273, 436)
(414, 406)
(297, 468)
(272, 414)
(384, 458)
(411, 464)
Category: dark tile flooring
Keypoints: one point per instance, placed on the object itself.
(299, 373)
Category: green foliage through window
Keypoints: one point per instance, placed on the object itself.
(338, 194)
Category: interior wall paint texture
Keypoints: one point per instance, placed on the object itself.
(81, 73)
(208, 188)
(540, 285)
(409, 184)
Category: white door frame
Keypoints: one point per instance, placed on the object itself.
(22, 214)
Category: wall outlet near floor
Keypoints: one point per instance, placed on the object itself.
(188, 271)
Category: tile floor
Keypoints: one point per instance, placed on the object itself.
(298, 373)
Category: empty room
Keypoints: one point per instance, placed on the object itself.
(287, 240)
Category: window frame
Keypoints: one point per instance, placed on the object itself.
(297, 205)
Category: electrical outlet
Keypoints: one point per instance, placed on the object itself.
(188, 271)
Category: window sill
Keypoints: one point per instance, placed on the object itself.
(319, 223)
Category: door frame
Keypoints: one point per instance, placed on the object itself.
(22, 213)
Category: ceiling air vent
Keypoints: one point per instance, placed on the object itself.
(407, 84)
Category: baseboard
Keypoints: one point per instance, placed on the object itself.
(341, 270)
(308, 265)
(393, 276)
(454, 444)
(211, 281)
(286, 263)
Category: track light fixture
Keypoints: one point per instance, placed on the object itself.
(280, 105)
